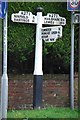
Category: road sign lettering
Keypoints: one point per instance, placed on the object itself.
(54, 19)
(25, 13)
(45, 33)
(46, 36)
(53, 15)
(28, 17)
(54, 32)
(24, 17)
(51, 39)
(50, 34)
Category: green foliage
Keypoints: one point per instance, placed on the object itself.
(21, 37)
(44, 113)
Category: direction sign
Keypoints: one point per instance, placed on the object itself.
(76, 18)
(50, 34)
(28, 17)
(73, 5)
(24, 17)
(53, 19)
(3, 8)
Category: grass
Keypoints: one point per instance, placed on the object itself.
(44, 113)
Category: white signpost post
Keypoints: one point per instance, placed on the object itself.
(48, 34)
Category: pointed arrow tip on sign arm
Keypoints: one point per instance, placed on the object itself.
(12, 17)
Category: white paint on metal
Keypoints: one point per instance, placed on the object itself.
(50, 34)
(38, 48)
(24, 17)
(53, 19)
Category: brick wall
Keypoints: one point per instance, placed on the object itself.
(55, 91)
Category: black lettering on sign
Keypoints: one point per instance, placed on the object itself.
(58, 32)
(49, 21)
(26, 17)
(16, 16)
(32, 20)
(44, 18)
(54, 15)
(59, 28)
(33, 17)
(48, 29)
(44, 36)
(52, 18)
(48, 33)
(22, 16)
(54, 32)
(14, 19)
(53, 22)
(57, 19)
(52, 39)
(22, 12)
(61, 23)
(27, 21)
(45, 21)
(58, 35)
(50, 15)
(44, 33)
(61, 19)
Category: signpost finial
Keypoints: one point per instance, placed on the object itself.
(39, 9)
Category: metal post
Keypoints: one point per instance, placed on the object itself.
(0, 59)
(79, 73)
(4, 80)
(72, 63)
(0, 48)
(37, 85)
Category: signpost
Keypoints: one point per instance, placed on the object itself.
(72, 62)
(38, 73)
(73, 5)
(4, 80)
(48, 34)
(24, 17)
(54, 19)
